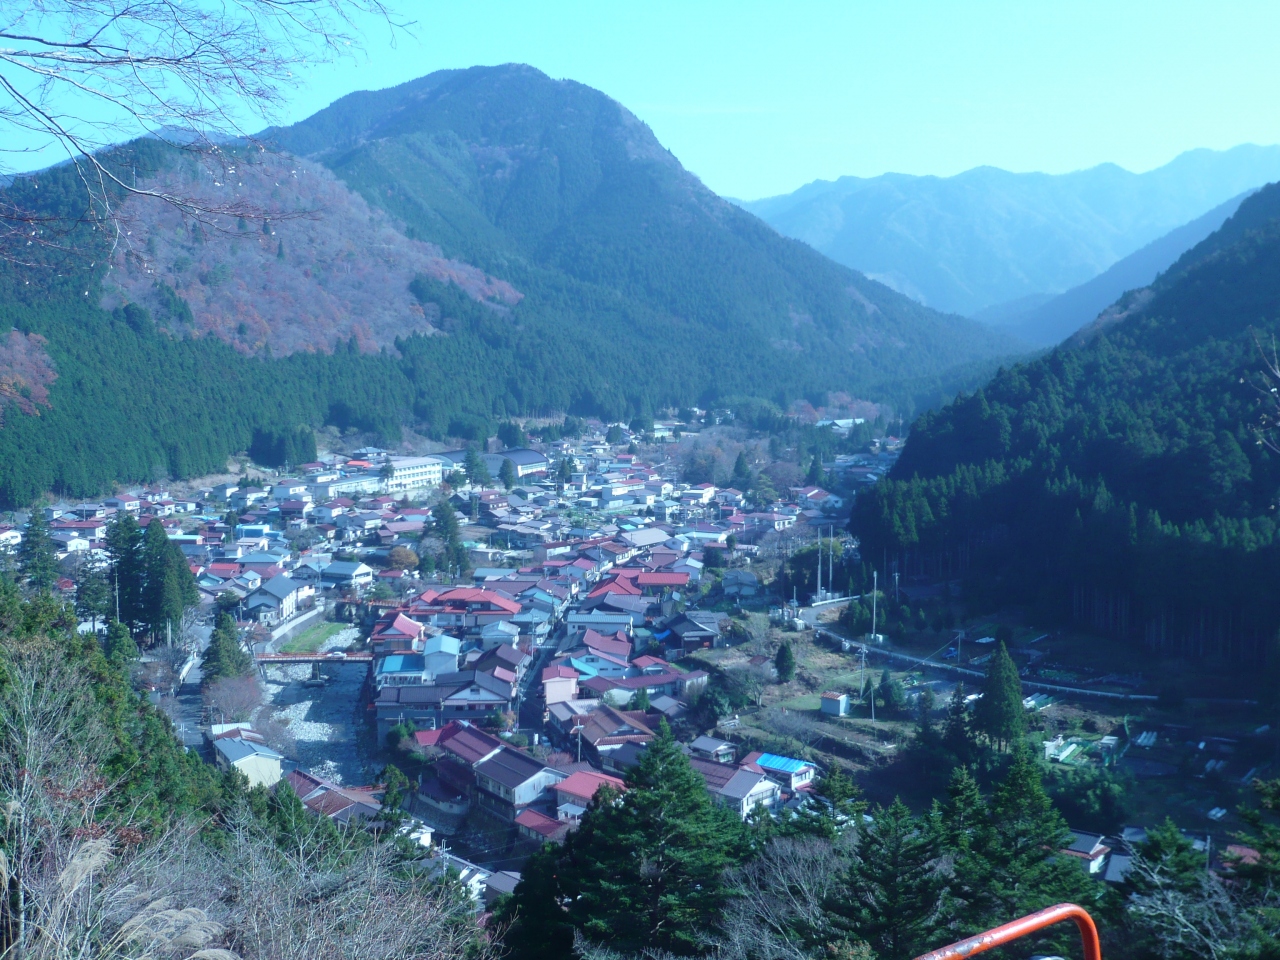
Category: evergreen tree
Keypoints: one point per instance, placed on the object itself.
(507, 474)
(168, 586)
(640, 701)
(925, 732)
(118, 644)
(957, 732)
(814, 477)
(126, 571)
(475, 469)
(1000, 714)
(93, 595)
(965, 832)
(890, 691)
(225, 657)
(1027, 833)
(645, 870)
(741, 472)
(784, 662)
(37, 555)
(891, 896)
(538, 923)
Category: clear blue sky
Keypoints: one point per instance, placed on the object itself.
(759, 98)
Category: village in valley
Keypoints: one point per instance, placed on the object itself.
(468, 645)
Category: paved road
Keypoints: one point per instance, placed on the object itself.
(187, 704)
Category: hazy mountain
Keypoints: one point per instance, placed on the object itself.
(1044, 321)
(988, 236)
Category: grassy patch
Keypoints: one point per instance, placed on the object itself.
(311, 639)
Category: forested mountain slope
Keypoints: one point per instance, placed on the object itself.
(1119, 480)
(989, 236)
(562, 192)
(516, 246)
(1052, 322)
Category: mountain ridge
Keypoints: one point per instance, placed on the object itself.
(987, 236)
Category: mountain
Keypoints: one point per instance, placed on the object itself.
(1046, 321)
(469, 247)
(1120, 481)
(988, 236)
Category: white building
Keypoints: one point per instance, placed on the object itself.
(412, 473)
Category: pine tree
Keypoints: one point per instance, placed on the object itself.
(645, 869)
(93, 595)
(741, 472)
(538, 926)
(475, 468)
(1000, 714)
(965, 832)
(168, 586)
(640, 700)
(784, 662)
(891, 895)
(507, 474)
(118, 644)
(224, 657)
(124, 550)
(1027, 833)
(957, 733)
(37, 556)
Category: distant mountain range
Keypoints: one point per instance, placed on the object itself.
(468, 247)
(986, 237)
(1044, 321)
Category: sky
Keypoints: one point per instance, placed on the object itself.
(760, 98)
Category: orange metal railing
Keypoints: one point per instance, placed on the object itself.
(1021, 928)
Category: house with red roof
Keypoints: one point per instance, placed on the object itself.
(575, 793)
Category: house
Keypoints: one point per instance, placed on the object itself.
(834, 704)
(345, 574)
(440, 654)
(540, 828)
(397, 632)
(740, 583)
(1090, 849)
(575, 793)
(510, 781)
(747, 790)
(339, 803)
(559, 684)
(399, 669)
(709, 748)
(600, 621)
(258, 762)
(277, 599)
(791, 773)
(125, 501)
(691, 631)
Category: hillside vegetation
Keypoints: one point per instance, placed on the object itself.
(515, 246)
(1119, 480)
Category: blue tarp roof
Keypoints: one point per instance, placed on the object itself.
(772, 761)
(402, 663)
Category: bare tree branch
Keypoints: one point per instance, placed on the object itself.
(81, 75)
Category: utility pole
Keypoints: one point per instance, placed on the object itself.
(831, 564)
(817, 594)
(875, 581)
